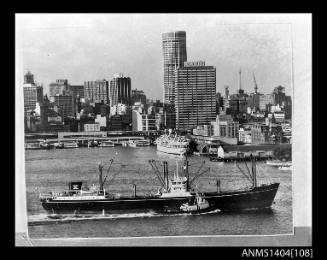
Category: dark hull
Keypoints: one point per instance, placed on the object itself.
(114, 205)
(260, 197)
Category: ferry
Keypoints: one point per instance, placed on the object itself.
(279, 163)
(107, 144)
(70, 144)
(93, 143)
(138, 143)
(175, 194)
(59, 145)
(46, 145)
(172, 144)
(32, 146)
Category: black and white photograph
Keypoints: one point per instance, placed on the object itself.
(162, 126)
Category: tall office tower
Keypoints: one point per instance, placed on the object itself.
(33, 93)
(66, 105)
(279, 95)
(195, 87)
(174, 52)
(29, 78)
(58, 88)
(76, 90)
(97, 91)
(120, 90)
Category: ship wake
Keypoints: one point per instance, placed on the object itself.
(44, 219)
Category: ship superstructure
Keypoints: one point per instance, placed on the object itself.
(172, 144)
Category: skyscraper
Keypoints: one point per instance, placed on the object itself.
(174, 52)
(66, 105)
(33, 93)
(96, 91)
(120, 90)
(195, 87)
(29, 78)
(59, 87)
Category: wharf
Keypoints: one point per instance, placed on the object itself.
(216, 159)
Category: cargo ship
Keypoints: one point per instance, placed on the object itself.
(172, 144)
(174, 193)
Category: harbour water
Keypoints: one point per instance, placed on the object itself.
(51, 170)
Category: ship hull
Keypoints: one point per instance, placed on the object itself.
(171, 150)
(114, 205)
(260, 197)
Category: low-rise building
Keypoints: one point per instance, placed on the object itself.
(279, 116)
(91, 127)
(259, 134)
(244, 136)
(120, 122)
(225, 126)
(160, 119)
(78, 135)
(143, 122)
(102, 121)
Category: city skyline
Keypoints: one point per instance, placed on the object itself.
(81, 47)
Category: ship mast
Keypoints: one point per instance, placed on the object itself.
(254, 171)
(100, 177)
(186, 173)
(198, 173)
(163, 181)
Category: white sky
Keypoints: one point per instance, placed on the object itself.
(82, 47)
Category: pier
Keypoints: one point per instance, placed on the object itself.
(83, 138)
